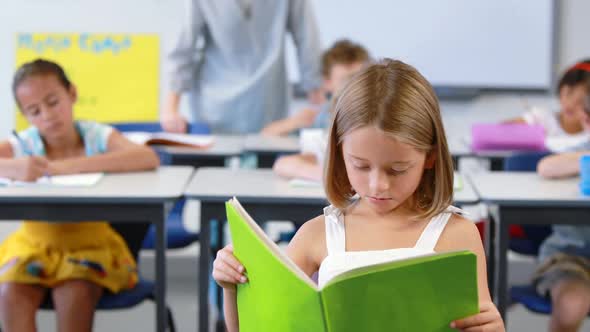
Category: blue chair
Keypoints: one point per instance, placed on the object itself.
(154, 127)
(144, 290)
(133, 234)
(177, 235)
(533, 235)
(530, 299)
(527, 296)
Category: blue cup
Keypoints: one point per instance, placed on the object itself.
(585, 175)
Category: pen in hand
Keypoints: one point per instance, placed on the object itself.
(26, 149)
(22, 143)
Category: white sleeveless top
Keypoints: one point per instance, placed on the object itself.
(339, 260)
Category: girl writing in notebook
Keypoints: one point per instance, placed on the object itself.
(565, 130)
(77, 261)
(389, 179)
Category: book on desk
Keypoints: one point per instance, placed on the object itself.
(70, 180)
(162, 138)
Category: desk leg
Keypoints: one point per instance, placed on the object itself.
(160, 274)
(204, 258)
(489, 239)
(497, 163)
(220, 325)
(209, 211)
(455, 162)
(501, 262)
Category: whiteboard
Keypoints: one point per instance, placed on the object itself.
(502, 44)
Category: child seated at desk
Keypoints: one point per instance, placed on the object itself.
(339, 64)
(77, 261)
(567, 129)
(564, 273)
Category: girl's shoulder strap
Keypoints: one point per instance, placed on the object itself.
(95, 136)
(431, 233)
(335, 234)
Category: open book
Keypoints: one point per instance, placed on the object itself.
(162, 138)
(418, 294)
(73, 180)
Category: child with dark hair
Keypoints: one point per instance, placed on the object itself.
(568, 128)
(77, 261)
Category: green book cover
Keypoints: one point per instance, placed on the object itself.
(424, 293)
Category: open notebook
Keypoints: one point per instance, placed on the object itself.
(73, 180)
(162, 138)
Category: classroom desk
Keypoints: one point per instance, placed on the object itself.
(526, 198)
(224, 146)
(140, 197)
(459, 148)
(266, 197)
(267, 149)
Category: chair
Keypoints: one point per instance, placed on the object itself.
(527, 296)
(177, 235)
(526, 239)
(133, 234)
(153, 127)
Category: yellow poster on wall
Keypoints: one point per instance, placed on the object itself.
(116, 75)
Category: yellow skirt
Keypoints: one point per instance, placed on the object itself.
(47, 254)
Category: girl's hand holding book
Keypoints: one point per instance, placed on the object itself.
(488, 319)
(227, 270)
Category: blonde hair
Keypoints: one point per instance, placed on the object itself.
(395, 98)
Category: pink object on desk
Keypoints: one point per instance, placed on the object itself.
(491, 136)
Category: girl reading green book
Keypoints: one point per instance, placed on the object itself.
(389, 178)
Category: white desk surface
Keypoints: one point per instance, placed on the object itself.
(164, 183)
(219, 184)
(527, 188)
(467, 194)
(223, 145)
(458, 147)
(259, 143)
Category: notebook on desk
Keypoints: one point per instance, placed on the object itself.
(147, 138)
(72, 180)
(493, 136)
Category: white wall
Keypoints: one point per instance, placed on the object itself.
(162, 17)
(573, 44)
